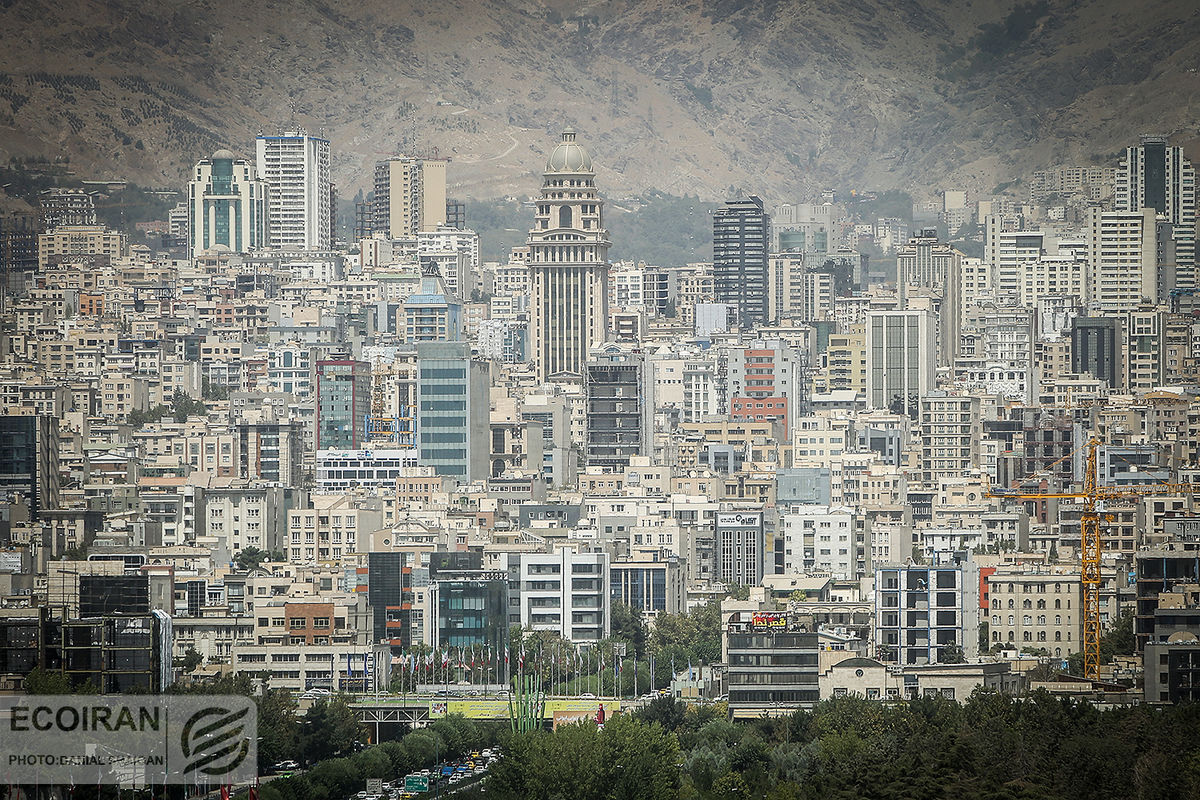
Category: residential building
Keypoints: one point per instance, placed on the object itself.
(741, 231)
(1157, 176)
(296, 166)
(566, 592)
(620, 406)
(922, 610)
(1036, 610)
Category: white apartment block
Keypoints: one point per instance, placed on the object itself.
(1122, 251)
(821, 539)
(296, 166)
(565, 592)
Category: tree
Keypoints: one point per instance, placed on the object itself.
(188, 662)
(213, 391)
(42, 681)
(249, 558)
(952, 654)
(278, 727)
(183, 407)
(329, 729)
(629, 626)
(665, 711)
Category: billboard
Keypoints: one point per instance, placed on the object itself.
(739, 519)
(767, 621)
(497, 708)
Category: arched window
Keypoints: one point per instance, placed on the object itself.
(1058, 636)
(1027, 604)
(1057, 603)
(564, 217)
(1041, 604)
(1058, 619)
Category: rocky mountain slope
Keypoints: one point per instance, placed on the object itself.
(781, 97)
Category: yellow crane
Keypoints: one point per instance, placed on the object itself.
(1094, 496)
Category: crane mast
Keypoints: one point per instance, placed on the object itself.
(1091, 546)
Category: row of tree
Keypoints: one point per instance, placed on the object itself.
(992, 747)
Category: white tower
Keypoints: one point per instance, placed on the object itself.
(568, 265)
(296, 166)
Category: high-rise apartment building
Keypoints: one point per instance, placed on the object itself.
(741, 230)
(1122, 254)
(227, 206)
(568, 264)
(620, 406)
(926, 265)
(1155, 175)
(296, 166)
(410, 196)
(901, 361)
(343, 403)
(951, 432)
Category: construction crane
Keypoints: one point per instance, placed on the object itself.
(1094, 497)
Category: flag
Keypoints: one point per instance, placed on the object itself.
(445, 659)
(506, 655)
(253, 795)
(225, 791)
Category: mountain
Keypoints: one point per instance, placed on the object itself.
(705, 97)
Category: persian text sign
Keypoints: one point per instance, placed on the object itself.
(129, 739)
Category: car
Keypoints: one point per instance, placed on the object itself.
(286, 765)
(587, 696)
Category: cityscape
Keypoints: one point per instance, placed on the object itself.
(855, 490)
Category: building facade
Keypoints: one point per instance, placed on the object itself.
(227, 206)
(296, 166)
(741, 231)
(568, 265)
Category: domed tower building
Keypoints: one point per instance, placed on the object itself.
(568, 265)
(227, 206)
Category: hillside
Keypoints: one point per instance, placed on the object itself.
(705, 97)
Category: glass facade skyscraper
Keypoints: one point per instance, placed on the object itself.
(452, 410)
(343, 403)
